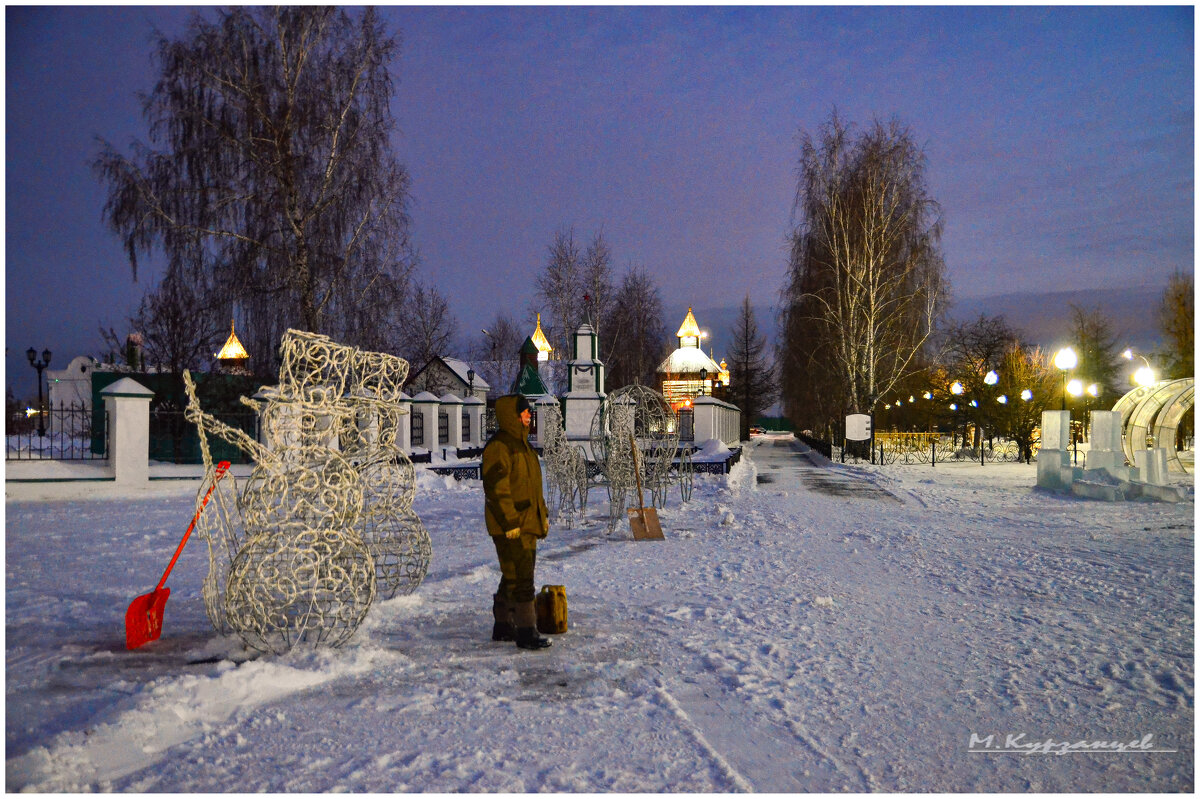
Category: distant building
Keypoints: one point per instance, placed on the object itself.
(445, 375)
(687, 372)
(233, 358)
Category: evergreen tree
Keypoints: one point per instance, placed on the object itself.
(752, 385)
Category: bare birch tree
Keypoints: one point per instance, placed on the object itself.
(428, 328)
(866, 278)
(1177, 321)
(636, 342)
(495, 354)
(268, 179)
(597, 285)
(560, 289)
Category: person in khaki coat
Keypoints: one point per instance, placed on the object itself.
(515, 511)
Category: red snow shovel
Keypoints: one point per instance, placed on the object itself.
(144, 619)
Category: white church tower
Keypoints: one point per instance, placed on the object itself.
(585, 384)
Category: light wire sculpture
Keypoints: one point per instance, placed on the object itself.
(324, 522)
(564, 465)
(643, 414)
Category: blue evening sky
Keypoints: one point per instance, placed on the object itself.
(1060, 144)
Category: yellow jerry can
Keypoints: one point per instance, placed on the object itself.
(552, 609)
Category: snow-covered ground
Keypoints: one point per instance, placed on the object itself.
(845, 628)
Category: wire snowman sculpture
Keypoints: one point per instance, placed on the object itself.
(565, 467)
(635, 427)
(324, 523)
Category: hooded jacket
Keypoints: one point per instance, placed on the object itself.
(512, 477)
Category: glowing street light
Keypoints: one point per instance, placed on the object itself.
(956, 388)
(1002, 399)
(1064, 361)
(1075, 387)
(1145, 376)
(1026, 395)
(991, 378)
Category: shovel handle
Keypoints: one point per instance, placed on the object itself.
(222, 468)
(637, 473)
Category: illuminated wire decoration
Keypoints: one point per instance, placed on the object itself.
(565, 466)
(634, 418)
(324, 523)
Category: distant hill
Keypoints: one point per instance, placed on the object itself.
(1045, 319)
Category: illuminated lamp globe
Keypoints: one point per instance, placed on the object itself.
(1065, 359)
(1144, 376)
(927, 395)
(953, 407)
(991, 378)
(1127, 355)
(1002, 399)
(1075, 388)
(1093, 390)
(1027, 395)
(956, 388)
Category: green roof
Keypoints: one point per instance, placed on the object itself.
(529, 382)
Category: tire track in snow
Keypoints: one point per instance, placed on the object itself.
(739, 782)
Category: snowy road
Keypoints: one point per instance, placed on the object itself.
(801, 629)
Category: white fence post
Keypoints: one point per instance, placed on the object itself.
(128, 405)
(453, 407)
(474, 407)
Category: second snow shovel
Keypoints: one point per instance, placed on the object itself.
(144, 619)
(642, 520)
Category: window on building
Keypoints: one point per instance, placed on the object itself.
(418, 429)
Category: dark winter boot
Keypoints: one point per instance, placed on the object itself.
(527, 634)
(503, 629)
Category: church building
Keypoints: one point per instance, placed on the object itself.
(687, 372)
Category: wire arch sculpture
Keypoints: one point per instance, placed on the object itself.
(1158, 407)
(634, 418)
(324, 523)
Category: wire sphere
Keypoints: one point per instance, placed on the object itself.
(299, 585)
(325, 520)
(634, 421)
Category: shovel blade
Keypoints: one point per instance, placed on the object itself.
(644, 523)
(144, 619)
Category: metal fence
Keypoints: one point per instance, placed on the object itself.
(63, 433)
(933, 448)
(173, 439)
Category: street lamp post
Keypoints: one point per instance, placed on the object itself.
(989, 380)
(956, 388)
(1144, 376)
(31, 353)
(1026, 396)
(1065, 360)
(1075, 388)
